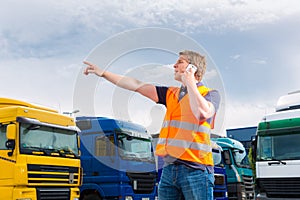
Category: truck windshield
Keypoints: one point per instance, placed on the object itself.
(283, 146)
(217, 156)
(134, 148)
(3, 138)
(47, 140)
(240, 158)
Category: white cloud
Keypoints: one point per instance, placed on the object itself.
(291, 70)
(260, 61)
(36, 22)
(50, 28)
(235, 57)
(212, 75)
(245, 114)
(31, 21)
(49, 82)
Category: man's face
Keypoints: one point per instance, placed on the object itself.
(180, 67)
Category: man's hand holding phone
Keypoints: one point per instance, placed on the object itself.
(191, 68)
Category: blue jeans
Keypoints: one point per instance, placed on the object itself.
(181, 182)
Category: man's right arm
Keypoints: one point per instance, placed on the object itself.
(145, 89)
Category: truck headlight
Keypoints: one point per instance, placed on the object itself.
(128, 198)
(24, 199)
(75, 198)
(243, 194)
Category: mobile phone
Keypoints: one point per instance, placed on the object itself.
(191, 66)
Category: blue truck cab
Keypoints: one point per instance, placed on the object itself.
(117, 160)
(220, 188)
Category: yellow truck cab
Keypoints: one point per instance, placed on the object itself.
(39, 153)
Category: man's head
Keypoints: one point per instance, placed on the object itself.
(196, 59)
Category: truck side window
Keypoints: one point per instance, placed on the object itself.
(3, 138)
(105, 146)
(227, 159)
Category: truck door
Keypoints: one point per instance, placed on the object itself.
(7, 161)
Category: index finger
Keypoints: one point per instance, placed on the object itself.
(87, 63)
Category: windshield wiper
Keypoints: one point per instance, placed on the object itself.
(276, 162)
(130, 155)
(49, 152)
(147, 159)
(36, 150)
(66, 152)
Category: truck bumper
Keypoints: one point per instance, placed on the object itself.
(263, 196)
(24, 193)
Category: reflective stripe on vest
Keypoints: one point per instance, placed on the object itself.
(185, 144)
(185, 125)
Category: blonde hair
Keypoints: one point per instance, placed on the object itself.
(196, 59)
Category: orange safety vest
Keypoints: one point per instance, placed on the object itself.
(182, 135)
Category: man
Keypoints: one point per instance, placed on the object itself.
(184, 140)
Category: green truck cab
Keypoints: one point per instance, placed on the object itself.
(277, 151)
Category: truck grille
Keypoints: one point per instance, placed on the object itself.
(53, 193)
(249, 186)
(142, 183)
(52, 175)
(220, 186)
(219, 179)
(280, 187)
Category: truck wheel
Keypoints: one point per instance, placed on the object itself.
(92, 197)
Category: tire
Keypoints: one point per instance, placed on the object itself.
(92, 197)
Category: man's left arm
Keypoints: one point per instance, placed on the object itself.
(202, 107)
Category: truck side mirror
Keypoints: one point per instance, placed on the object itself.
(78, 141)
(11, 131)
(10, 144)
(227, 157)
(253, 146)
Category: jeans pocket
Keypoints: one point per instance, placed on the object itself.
(211, 180)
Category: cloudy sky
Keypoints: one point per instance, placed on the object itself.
(253, 48)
